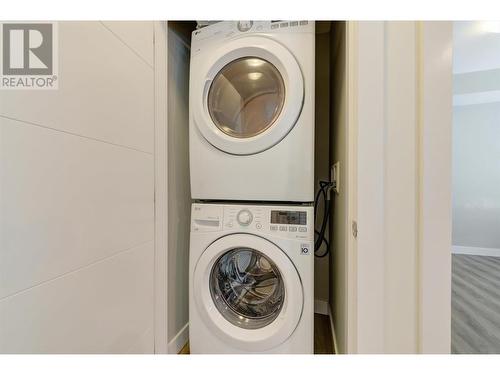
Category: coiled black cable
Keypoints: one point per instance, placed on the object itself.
(324, 187)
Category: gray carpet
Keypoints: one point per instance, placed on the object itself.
(475, 304)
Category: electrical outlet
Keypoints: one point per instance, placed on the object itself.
(335, 177)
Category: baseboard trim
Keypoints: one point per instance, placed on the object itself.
(321, 307)
(469, 250)
(177, 343)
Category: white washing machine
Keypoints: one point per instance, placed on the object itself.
(251, 279)
(251, 100)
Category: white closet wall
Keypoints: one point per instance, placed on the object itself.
(339, 226)
(322, 157)
(179, 192)
(76, 198)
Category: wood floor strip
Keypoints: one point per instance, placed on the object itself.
(323, 339)
(484, 264)
(475, 323)
(323, 343)
(478, 296)
(465, 271)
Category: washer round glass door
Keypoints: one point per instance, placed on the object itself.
(247, 292)
(247, 95)
(247, 288)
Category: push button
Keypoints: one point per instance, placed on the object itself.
(274, 227)
(292, 229)
(302, 229)
(283, 228)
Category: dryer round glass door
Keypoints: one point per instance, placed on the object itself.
(247, 95)
(247, 288)
(247, 292)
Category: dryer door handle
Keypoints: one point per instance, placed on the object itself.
(206, 87)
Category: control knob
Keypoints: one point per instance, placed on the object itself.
(245, 217)
(245, 25)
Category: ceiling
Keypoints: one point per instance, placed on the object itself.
(476, 46)
(476, 62)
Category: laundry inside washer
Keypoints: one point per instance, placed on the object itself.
(247, 288)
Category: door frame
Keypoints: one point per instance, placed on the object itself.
(418, 100)
(436, 121)
(161, 188)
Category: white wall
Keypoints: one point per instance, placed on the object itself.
(476, 138)
(76, 198)
(476, 176)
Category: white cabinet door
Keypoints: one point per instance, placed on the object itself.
(399, 182)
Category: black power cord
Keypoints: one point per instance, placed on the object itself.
(324, 187)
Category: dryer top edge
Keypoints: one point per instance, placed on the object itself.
(230, 29)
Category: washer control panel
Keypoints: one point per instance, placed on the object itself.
(282, 221)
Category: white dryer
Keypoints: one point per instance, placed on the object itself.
(251, 100)
(251, 279)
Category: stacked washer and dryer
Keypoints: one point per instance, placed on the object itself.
(251, 141)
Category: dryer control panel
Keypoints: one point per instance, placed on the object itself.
(231, 29)
(295, 222)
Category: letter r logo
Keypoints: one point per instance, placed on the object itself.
(27, 49)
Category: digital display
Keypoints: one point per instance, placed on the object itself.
(289, 217)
